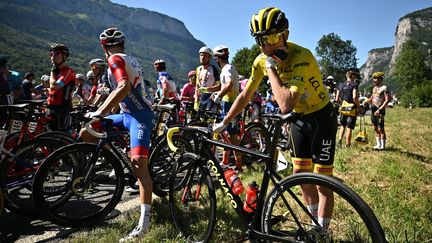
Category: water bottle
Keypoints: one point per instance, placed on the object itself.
(233, 181)
(251, 197)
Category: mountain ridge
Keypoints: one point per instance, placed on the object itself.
(28, 27)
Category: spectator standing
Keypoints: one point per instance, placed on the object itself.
(188, 90)
(347, 97)
(14, 79)
(28, 86)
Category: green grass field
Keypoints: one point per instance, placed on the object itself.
(396, 183)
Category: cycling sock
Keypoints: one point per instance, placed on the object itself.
(144, 220)
(313, 209)
(383, 143)
(378, 141)
(324, 222)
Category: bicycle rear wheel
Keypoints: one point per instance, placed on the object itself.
(255, 138)
(193, 202)
(64, 196)
(285, 214)
(162, 160)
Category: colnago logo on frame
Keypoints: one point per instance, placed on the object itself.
(222, 183)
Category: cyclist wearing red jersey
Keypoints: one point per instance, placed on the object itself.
(297, 86)
(136, 116)
(62, 82)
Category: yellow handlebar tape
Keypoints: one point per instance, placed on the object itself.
(170, 133)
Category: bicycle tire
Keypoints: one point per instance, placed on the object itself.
(61, 195)
(194, 219)
(162, 160)
(256, 137)
(58, 135)
(352, 219)
(1, 201)
(17, 175)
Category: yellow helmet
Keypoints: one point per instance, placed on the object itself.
(378, 75)
(268, 21)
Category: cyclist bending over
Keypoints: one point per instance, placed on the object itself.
(297, 86)
(136, 116)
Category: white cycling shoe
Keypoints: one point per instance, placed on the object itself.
(136, 233)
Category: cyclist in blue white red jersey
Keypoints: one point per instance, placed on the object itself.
(166, 86)
(136, 116)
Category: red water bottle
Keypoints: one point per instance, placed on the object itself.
(181, 116)
(251, 197)
(233, 181)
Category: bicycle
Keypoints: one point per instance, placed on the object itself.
(19, 163)
(80, 184)
(280, 214)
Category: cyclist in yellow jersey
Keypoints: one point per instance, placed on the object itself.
(297, 86)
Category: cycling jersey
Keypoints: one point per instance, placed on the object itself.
(346, 91)
(300, 73)
(206, 77)
(63, 96)
(137, 116)
(229, 73)
(124, 67)
(167, 82)
(188, 90)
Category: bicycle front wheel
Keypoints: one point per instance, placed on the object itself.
(65, 197)
(285, 213)
(193, 202)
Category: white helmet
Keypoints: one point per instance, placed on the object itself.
(205, 49)
(97, 61)
(45, 78)
(330, 77)
(220, 50)
(80, 76)
(90, 74)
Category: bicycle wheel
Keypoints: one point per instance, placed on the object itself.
(1, 201)
(255, 138)
(193, 202)
(66, 198)
(17, 173)
(162, 160)
(285, 214)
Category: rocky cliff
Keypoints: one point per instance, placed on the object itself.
(416, 25)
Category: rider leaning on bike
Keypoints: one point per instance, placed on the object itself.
(297, 86)
(125, 77)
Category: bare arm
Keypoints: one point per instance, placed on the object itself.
(239, 104)
(285, 98)
(116, 96)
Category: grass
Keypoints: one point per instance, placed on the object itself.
(396, 183)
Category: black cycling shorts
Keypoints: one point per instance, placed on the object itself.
(313, 136)
(377, 121)
(348, 121)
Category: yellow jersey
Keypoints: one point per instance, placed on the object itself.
(300, 73)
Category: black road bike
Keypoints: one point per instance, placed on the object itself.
(281, 214)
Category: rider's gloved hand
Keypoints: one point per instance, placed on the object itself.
(219, 127)
(203, 90)
(270, 62)
(94, 114)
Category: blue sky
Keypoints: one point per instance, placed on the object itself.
(367, 23)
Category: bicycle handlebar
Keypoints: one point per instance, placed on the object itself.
(93, 132)
(170, 133)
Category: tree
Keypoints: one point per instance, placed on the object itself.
(336, 56)
(244, 58)
(410, 68)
